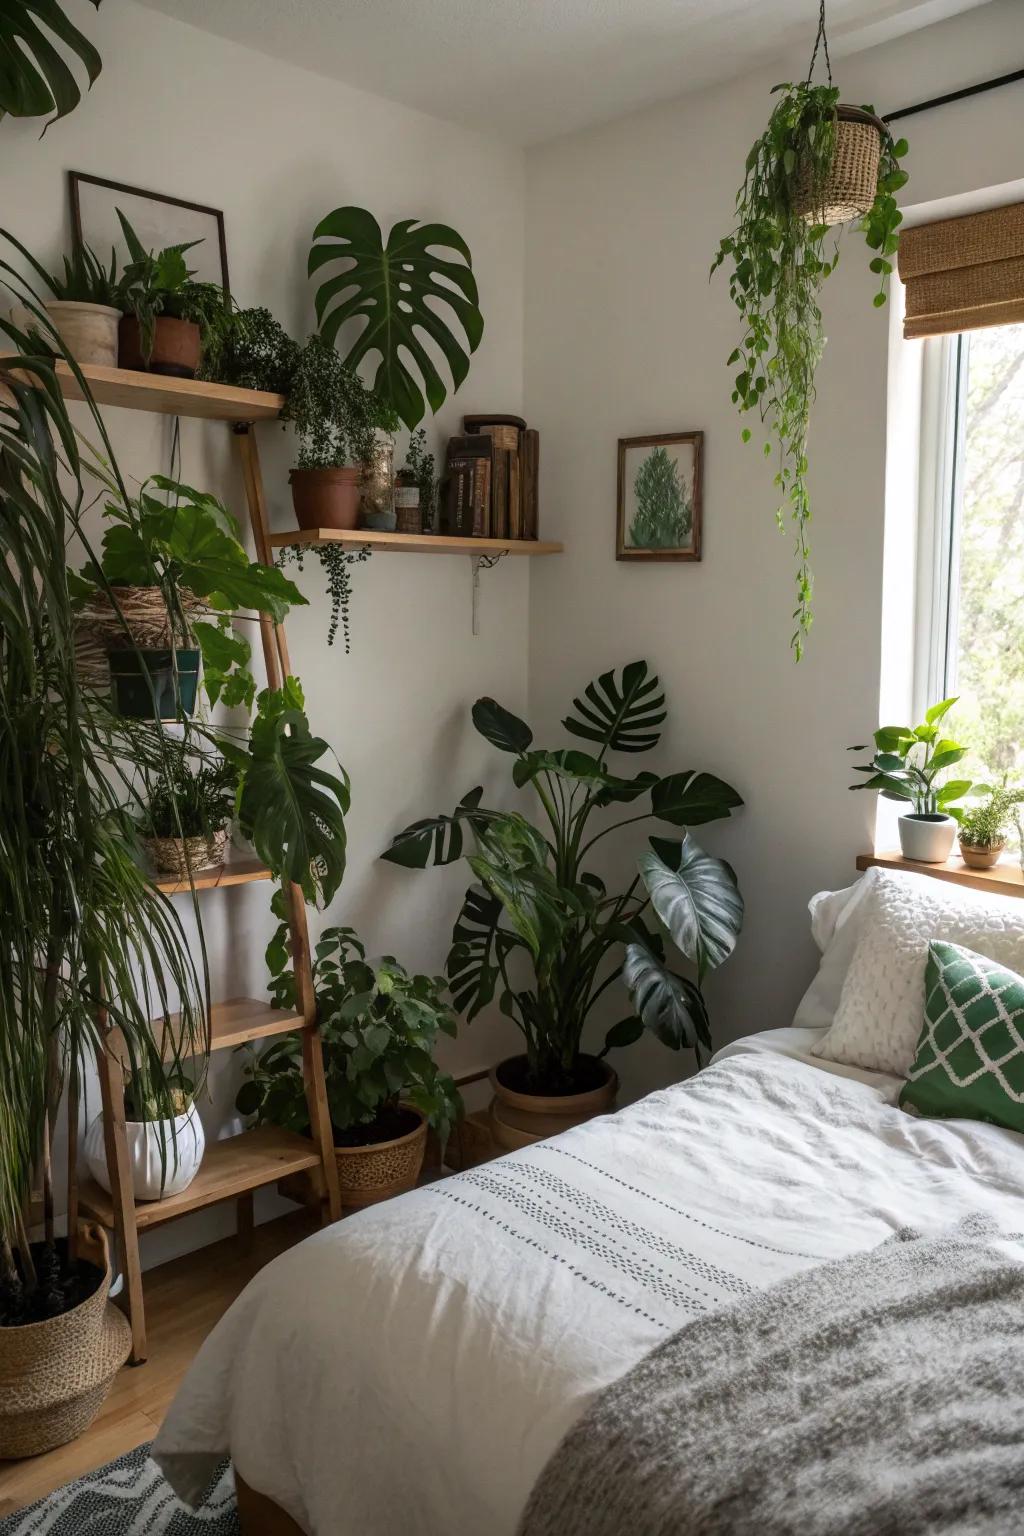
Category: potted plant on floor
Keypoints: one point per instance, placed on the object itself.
(539, 930)
(818, 164)
(985, 828)
(908, 765)
(86, 304)
(379, 1026)
(165, 1150)
(336, 418)
(167, 314)
(185, 824)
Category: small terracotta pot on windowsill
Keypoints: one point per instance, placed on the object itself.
(981, 858)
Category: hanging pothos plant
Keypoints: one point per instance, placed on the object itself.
(817, 165)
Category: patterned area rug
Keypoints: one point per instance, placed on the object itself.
(128, 1497)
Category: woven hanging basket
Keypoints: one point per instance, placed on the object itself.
(852, 183)
(179, 855)
(99, 630)
(56, 1374)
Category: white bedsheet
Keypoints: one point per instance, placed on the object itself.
(412, 1369)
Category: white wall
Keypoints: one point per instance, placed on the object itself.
(624, 336)
(275, 147)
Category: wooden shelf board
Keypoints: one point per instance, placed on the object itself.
(238, 871)
(229, 1168)
(415, 543)
(237, 1021)
(1004, 879)
(174, 397)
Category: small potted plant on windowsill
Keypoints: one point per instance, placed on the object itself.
(164, 1150)
(378, 1026)
(337, 419)
(86, 305)
(185, 825)
(984, 829)
(167, 315)
(907, 766)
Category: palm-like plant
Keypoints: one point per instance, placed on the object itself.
(535, 901)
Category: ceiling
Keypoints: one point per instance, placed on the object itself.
(529, 70)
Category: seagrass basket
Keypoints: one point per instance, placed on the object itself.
(179, 855)
(99, 630)
(57, 1373)
(852, 182)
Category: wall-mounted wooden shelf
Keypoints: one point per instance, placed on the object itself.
(1005, 879)
(237, 871)
(175, 397)
(415, 543)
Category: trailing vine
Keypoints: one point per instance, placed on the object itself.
(336, 561)
(780, 257)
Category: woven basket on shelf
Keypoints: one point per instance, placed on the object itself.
(99, 630)
(57, 1373)
(852, 182)
(367, 1175)
(178, 855)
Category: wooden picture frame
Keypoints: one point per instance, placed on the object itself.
(94, 223)
(685, 478)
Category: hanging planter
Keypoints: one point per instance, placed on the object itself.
(135, 617)
(817, 165)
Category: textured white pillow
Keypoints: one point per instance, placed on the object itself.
(878, 1021)
(835, 928)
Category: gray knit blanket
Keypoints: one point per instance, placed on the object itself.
(883, 1393)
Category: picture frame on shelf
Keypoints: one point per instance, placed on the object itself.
(158, 219)
(658, 500)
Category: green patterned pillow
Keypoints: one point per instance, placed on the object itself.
(970, 1057)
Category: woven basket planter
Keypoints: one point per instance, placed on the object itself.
(56, 1374)
(367, 1175)
(851, 184)
(179, 855)
(99, 630)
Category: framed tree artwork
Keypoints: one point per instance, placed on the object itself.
(658, 514)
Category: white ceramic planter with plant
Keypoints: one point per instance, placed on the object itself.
(84, 308)
(909, 765)
(164, 1153)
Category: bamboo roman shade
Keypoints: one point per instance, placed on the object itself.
(965, 273)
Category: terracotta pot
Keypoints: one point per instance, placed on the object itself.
(980, 858)
(89, 331)
(57, 1373)
(326, 498)
(163, 1161)
(519, 1119)
(176, 347)
(367, 1175)
(927, 838)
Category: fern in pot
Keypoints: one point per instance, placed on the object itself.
(910, 764)
(185, 824)
(818, 165)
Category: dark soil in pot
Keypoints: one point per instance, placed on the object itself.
(391, 1123)
(61, 1287)
(515, 1075)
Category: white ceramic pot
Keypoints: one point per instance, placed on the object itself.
(153, 1177)
(88, 331)
(928, 839)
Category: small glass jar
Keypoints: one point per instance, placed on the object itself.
(377, 509)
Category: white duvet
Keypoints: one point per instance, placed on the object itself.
(411, 1369)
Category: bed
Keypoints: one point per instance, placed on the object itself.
(414, 1368)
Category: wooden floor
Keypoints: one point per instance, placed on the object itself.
(184, 1299)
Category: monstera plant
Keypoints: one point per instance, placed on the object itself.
(34, 77)
(538, 928)
(387, 288)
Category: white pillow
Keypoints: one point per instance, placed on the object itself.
(835, 928)
(881, 1008)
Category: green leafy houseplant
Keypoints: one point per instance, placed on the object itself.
(909, 762)
(159, 283)
(780, 252)
(83, 280)
(333, 412)
(664, 515)
(190, 800)
(538, 928)
(379, 1026)
(984, 828)
(249, 349)
(35, 79)
(388, 288)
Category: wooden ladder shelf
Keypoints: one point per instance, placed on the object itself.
(233, 1168)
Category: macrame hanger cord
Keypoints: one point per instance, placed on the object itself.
(821, 41)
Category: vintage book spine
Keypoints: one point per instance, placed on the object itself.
(482, 498)
(515, 498)
(499, 494)
(531, 483)
(464, 453)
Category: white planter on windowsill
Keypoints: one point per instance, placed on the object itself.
(927, 838)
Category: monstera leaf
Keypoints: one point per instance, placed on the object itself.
(670, 1006)
(500, 727)
(472, 967)
(690, 799)
(388, 288)
(34, 78)
(696, 897)
(622, 717)
(434, 840)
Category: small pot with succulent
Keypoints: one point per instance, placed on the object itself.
(86, 304)
(985, 828)
(185, 825)
(165, 1151)
(379, 1026)
(908, 764)
(168, 316)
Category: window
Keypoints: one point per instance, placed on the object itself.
(971, 552)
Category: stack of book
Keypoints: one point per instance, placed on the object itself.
(492, 474)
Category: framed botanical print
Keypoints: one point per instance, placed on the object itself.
(157, 219)
(658, 514)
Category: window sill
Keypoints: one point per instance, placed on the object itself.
(1005, 879)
